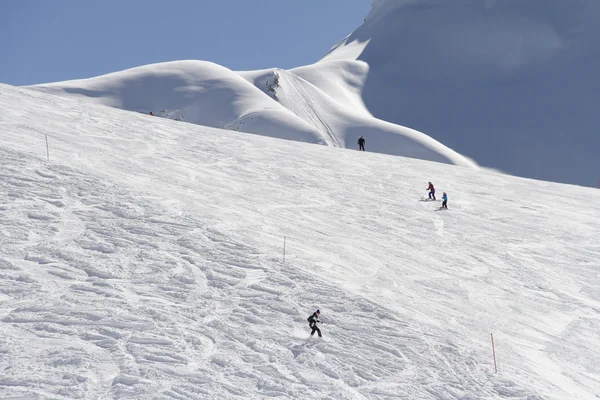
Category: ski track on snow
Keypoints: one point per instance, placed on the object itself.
(112, 313)
(139, 265)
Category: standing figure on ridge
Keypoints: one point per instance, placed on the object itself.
(312, 323)
(431, 191)
(361, 144)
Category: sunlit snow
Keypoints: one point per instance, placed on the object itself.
(144, 260)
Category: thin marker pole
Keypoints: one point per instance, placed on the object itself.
(284, 249)
(494, 353)
(47, 149)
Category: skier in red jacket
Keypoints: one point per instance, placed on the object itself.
(431, 191)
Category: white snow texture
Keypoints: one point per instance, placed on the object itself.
(144, 261)
(210, 95)
(142, 257)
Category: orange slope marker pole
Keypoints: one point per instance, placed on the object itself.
(284, 249)
(494, 353)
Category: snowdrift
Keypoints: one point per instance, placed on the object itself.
(258, 102)
(144, 261)
(511, 84)
(335, 110)
(194, 91)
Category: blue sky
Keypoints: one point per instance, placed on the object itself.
(47, 41)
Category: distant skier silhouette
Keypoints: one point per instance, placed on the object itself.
(312, 323)
(361, 144)
(431, 191)
(445, 201)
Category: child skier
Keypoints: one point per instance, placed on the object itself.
(312, 323)
(431, 191)
(445, 201)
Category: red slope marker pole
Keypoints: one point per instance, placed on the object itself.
(494, 353)
(47, 149)
(284, 240)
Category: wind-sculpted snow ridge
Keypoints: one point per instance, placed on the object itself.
(506, 84)
(144, 260)
(511, 84)
(331, 104)
(193, 91)
(207, 94)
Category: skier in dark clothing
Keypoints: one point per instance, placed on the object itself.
(312, 323)
(361, 144)
(431, 191)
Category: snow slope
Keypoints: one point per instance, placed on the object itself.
(199, 92)
(207, 94)
(144, 261)
(343, 121)
(511, 84)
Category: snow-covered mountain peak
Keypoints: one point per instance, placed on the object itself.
(319, 104)
(505, 33)
(510, 83)
(506, 84)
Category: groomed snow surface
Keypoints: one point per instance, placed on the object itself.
(144, 261)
